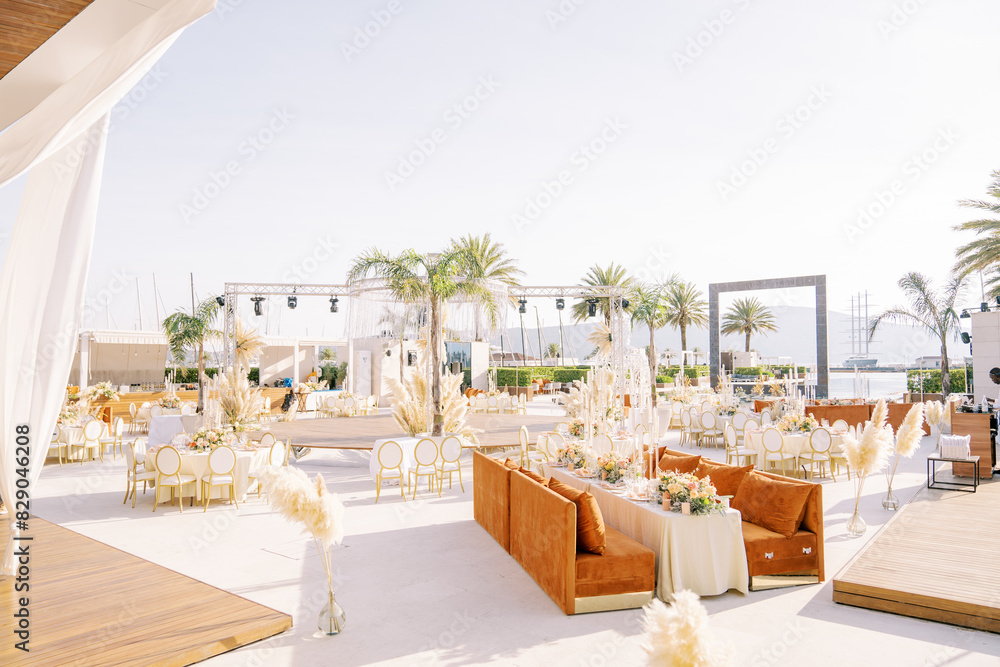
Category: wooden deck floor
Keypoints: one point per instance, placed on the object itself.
(937, 559)
(91, 604)
(362, 432)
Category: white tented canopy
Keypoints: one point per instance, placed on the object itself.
(119, 357)
(59, 100)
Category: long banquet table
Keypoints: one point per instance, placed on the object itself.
(703, 554)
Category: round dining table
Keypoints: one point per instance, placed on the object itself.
(163, 428)
(795, 443)
(248, 461)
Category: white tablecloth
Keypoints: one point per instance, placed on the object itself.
(196, 463)
(704, 554)
(566, 477)
(165, 427)
(795, 444)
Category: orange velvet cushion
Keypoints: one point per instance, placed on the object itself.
(590, 534)
(513, 465)
(725, 478)
(538, 478)
(680, 464)
(772, 504)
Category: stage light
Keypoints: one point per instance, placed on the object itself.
(624, 304)
(591, 307)
(965, 313)
(256, 305)
(220, 300)
(560, 303)
(333, 304)
(523, 308)
(984, 306)
(966, 338)
(292, 302)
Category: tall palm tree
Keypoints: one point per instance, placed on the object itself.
(685, 308)
(982, 254)
(934, 311)
(552, 351)
(327, 354)
(748, 316)
(190, 332)
(488, 262)
(648, 306)
(612, 276)
(432, 277)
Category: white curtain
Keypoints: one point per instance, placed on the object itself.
(61, 143)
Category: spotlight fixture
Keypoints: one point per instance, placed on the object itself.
(591, 307)
(998, 300)
(333, 304)
(293, 301)
(256, 305)
(560, 303)
(965, 313)
(625, 303)
(220, 300)
(984, 306)
(523, 307)
(966, 338)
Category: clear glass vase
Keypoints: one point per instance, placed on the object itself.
(332, 617)
(856, 526)
(890, 502)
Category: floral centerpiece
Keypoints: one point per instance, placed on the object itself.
(169, 402)
(71, 414)
(686, 488)
(797, 424)
(577, 428)
(72, 392)
(573, 454)
(612, 467)
(726, 411)
(207, 439)
(101, 390)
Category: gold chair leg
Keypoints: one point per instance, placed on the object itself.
(208, 495)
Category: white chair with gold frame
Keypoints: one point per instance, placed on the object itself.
(522, 405)
(774, 450)
(57, 444)
(710, 427)
(687, 434)
(134, 470)
(818, 452)
(734, 451)
(266, 439)
(738, 422)
(839, 425)
(155, 411)
(492, 404)
(676, 408)
(91, 441)
(221, 466)
(114, 437)
(390, 457)
(528, 455)
(168, 475)
(425, 456)
(450, 461)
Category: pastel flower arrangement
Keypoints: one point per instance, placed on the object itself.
(573, 454)
(207, 439)
(101, 390)
(71, 414)
(797, 424)
(169, 402)
(612, 467)
(726, 411)
(577, 428)
(686, 488)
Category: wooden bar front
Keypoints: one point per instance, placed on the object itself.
(854, 415)
(976, 425)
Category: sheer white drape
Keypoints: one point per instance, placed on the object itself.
(61, 143)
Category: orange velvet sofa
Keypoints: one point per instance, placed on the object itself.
(771, 553)
(541, 536)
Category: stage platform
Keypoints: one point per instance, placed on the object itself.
(91, 604)
(362, 432)
(937, 559)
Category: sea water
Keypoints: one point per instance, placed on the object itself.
(880, 385)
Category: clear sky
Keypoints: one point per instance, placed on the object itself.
(723, 140)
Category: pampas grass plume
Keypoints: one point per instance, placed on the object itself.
(679, 636)
(870, 452)
(911, 431)
(296, 498)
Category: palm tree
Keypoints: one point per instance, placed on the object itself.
(189, 332)
(612, 276)
(488, 262)
(748, 316)
(552, 351)
(685, 308)
(648, 306)
(982, 254)
(931, 310)
(327, 354)
(433, 277)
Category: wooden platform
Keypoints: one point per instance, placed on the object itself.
(937, 559)
(91, 604)
(362, 432)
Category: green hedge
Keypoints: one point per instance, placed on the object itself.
(522, 376)
(932, 380)
(692, 372)
(753, 371)
(254, 375)
(189, 375)
(334, 374)
(788, 369)
(467, 377)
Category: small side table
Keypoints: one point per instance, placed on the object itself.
(933, 483)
